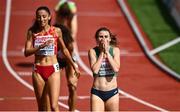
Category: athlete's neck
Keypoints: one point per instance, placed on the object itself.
(45, 28)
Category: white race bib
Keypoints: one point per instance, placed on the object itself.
(48, 50)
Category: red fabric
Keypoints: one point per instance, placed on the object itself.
(44, 71)
(52, 32)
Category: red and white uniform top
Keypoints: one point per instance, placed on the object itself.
(40, 38)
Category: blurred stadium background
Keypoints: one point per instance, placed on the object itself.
(160, 19)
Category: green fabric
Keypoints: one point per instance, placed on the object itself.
(98, 53)
(71, 5)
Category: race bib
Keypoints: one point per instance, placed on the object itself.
(105, 69)
(48, 50)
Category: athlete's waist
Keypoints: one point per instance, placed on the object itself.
(45, 65)
(103, 88)
(102, 83)
(45, 61)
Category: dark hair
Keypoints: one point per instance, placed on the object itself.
(113, 41)
(66, 35)
(34, 28)
(65, 12)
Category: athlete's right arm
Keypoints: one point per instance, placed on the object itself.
(95, 63)
(29, 49)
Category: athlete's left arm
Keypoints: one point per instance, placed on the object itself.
(74, 22)
(114, 61)
(74, 26)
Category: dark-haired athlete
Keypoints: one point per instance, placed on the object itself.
(42, 42)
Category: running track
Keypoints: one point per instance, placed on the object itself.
(143, 86)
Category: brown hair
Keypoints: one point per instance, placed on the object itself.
(65, 12)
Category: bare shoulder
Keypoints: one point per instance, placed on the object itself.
(29, 35)
(91, 51)
(116, 49)
(58, 31)
(29, 32)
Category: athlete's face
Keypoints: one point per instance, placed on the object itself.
(43, 18)
(104, 37)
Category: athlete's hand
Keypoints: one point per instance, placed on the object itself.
(102, 46)
(47, 43)
(77, 72)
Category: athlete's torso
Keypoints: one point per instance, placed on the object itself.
(105, 69)
(46, 55)
(106, 78)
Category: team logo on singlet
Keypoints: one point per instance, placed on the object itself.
(48, 50)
